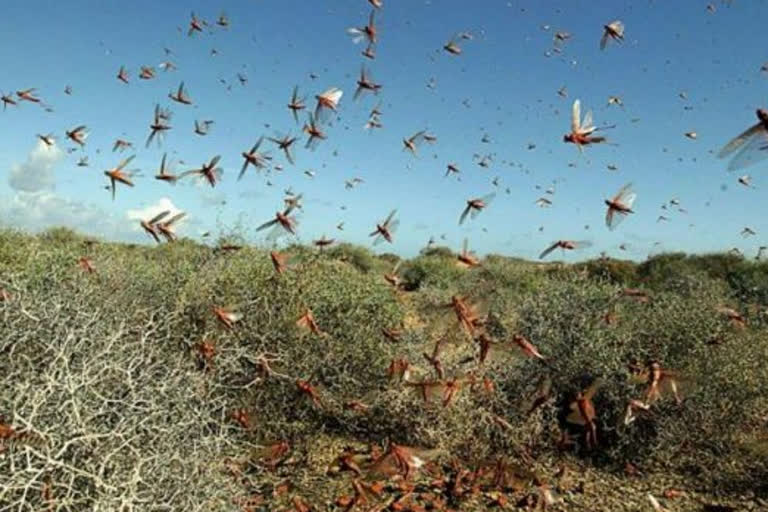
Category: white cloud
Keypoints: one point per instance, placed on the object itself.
(43, 209)
(36, 173)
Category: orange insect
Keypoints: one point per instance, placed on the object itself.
(619, 206)
(86, 264)
(307, 321)
(207, 351)
(392, 277)
(385, 230)
(582, 130)
(464, 314)
(402, 460)
(309, 390)
(227, 317)
(327, 102)
(442, 390)
(583, 413)
(734, 317)
(241, 416)
(369, 32)
(118, 174)
(278, 261)
(466, 258)
(475, 206)
(660, 381)
(399, 369)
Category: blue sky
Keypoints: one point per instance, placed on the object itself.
(503, 85)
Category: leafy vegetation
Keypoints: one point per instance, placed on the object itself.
(122, 385)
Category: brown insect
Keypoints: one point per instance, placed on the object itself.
(583, 413)
(123, 75)
(209, 171)
(120, 175)
(195, 24)
(78, 135)
(402, 460)
(166, 228)
(392, 277)
(150, 226)
(399, 369)
(159, 125)
(163, 174)
(366, 84)
(226, 316)
(434, 359)
(323, 242)
(565, 245)
(636, 294)
(180, 96)
(284, 143)
(467, 318)
(122, 145)
(7, 99)
(255, 158)
(613, 31)
(442, 390)
(312, 128)
(28, 95)
(297, 103)
(147, 73)
(49, 140)
(5, 295)
(413, 142)
(734, 317)
(282, 223)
